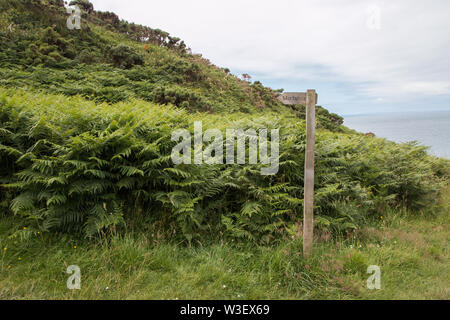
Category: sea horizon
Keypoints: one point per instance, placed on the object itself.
(351, 115)
(428, 128)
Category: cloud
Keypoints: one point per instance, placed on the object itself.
(314, 40)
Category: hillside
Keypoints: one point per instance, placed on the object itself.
(86, 118)
(111, 60)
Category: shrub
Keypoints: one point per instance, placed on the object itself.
(88, 56)
(81, 167)
(125, 57)
(85, 5)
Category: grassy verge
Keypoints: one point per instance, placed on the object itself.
(411, 250)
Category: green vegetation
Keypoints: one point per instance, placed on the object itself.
(76, 166)
(112, 60)
(86, 118)
(411, 250)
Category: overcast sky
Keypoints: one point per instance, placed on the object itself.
(361, 56)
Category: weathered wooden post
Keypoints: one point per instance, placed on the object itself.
(309, 99)
(308, 211)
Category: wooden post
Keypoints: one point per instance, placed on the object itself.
(308, 212)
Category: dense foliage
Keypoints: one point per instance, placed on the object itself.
(86, 118)
(112, 60)
(73, 165)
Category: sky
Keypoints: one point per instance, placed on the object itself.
(361, 56)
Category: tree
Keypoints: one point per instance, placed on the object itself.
(246, 77)
(85, 5)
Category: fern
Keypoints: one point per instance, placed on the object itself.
(91, 168)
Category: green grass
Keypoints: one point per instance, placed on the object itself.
(411, 250)
(46, 139)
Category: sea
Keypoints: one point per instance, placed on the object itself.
(431, 129)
